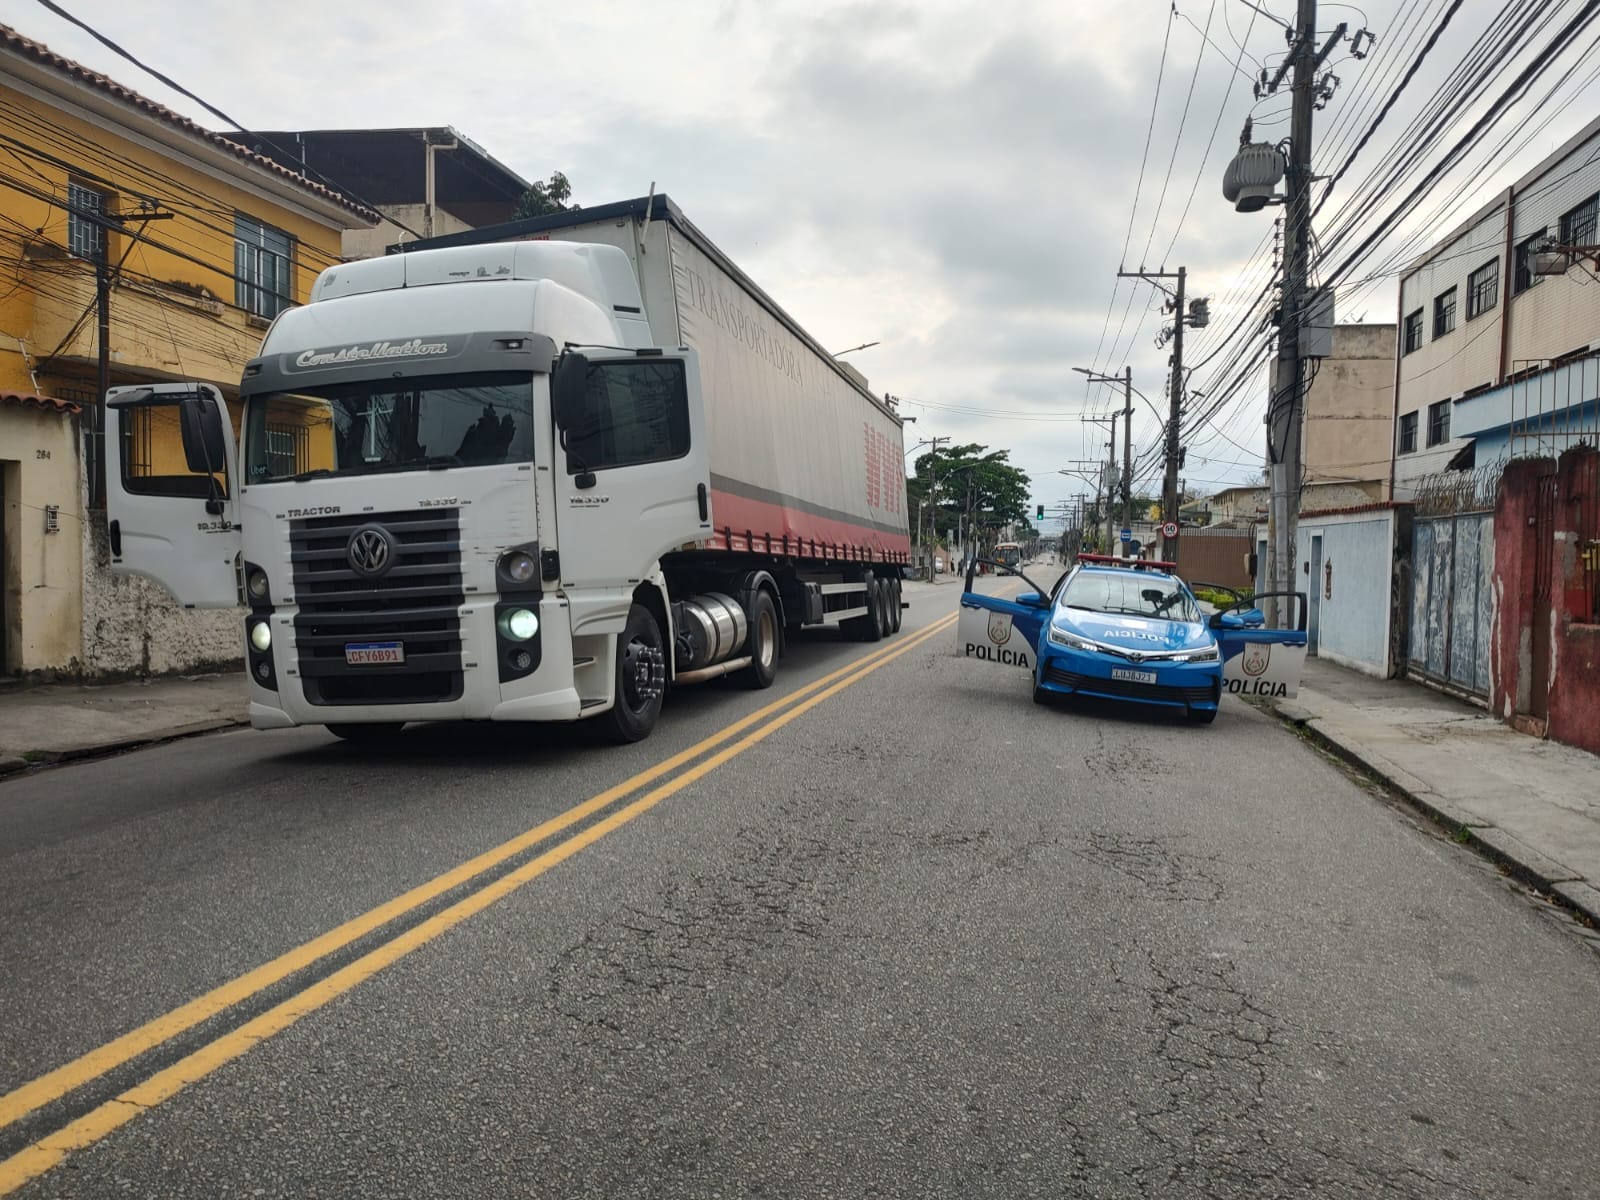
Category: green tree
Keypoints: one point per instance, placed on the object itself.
(542, 199)
(976, 486)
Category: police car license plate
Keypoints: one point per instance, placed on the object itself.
(1133, 676)
(366, 654)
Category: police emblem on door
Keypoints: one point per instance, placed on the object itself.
(999, 628)
(1255, 659)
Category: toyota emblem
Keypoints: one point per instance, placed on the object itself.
(370, 551)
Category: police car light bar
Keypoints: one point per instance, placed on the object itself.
(1131, 563)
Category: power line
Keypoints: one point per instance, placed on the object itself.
(211, 108)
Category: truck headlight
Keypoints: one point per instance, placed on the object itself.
(255, 583)
(261, 637)
(1072, 642)
(519, 567)
(519, 624)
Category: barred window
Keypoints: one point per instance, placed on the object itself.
(1524, 278)
(1578, 225)
(1438, 422)
(1444, 313)
(1483, 288)
(262, 264)
(1414, 331)
(86, 238)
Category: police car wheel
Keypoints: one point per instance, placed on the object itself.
(1202, 716)
(1040, 696)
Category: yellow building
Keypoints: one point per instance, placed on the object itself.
(134, 246)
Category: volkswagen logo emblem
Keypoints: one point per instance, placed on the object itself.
(370, 551)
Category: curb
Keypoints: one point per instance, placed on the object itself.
(67, 754)
(1522, 862)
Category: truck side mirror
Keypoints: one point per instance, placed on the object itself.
(200, 423)
(568, 384)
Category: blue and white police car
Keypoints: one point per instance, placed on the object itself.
(1130, 630)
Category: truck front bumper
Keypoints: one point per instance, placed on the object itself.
(547, 693)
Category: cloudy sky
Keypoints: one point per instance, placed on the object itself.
(954, 180)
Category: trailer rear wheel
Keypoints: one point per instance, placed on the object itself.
(870, 627)
(895, 615)
(763, 644)
(641, 679)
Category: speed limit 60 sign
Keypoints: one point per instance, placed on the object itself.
(1170, 529)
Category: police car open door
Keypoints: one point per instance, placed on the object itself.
(1257, 661)
(1000, 631)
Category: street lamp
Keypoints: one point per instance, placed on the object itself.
(853, 349)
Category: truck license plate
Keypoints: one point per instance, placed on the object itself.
(366, 654)
(1133, 676)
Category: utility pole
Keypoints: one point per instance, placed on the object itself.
(1111, 484)
(931, 499)
(1285, 411)
(1169, 489)
(1198, 315)
(1127, 441)
(1248, 183)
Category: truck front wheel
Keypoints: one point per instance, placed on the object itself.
(641, 678)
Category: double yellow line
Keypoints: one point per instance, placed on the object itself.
(85, 1131)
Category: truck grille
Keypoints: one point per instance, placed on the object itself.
(1126, 689)
(415, 602)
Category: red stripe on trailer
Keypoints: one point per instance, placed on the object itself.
(745, 524)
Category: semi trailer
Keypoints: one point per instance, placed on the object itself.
(544, 471)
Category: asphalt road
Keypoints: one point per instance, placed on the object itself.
(920, 938)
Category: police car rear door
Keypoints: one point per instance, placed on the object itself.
(1001, 631)
(1257, 661)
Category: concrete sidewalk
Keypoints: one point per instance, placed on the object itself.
(1533, 805)
(61, 721)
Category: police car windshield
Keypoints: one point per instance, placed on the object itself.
(1137, 594)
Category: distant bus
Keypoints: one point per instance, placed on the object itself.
(1008, 554)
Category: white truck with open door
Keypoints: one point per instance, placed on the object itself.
(468, 483)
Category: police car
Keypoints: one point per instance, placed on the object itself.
(1131, 630)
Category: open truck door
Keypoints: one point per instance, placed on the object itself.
(170, 479)
(632, 431)
(1257, 661)
(1000, 631)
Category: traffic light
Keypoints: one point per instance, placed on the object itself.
(1039, 509)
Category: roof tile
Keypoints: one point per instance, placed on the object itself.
(33, 399)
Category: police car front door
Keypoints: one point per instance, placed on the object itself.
(1004, 632)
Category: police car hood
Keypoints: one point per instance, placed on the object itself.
(1132, 633)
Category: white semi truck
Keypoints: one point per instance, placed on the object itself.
(543, 474)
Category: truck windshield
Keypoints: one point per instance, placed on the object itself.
(1132, 594)
(375, 425)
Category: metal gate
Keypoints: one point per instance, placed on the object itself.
(1452, 601)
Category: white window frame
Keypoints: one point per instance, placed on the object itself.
(263, 267)
(85, 239)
